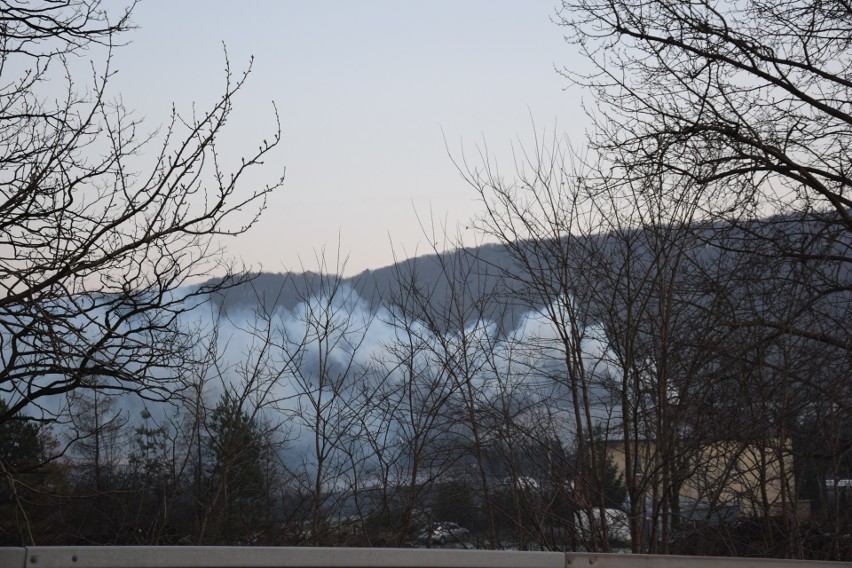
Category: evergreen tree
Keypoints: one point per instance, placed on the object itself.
(151, 481)
(21, 446)
(614, 489)
(235, 476)
(610, 480)
(25, 515)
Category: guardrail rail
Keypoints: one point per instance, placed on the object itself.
(288, 557)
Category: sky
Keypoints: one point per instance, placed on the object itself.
(376, 99)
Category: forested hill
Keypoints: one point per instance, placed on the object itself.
(502, 282)
(478, 274)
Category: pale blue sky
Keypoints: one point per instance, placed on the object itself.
(366, 92)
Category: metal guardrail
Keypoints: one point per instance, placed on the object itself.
(286, 557)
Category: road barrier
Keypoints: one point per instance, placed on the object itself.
(287, 557)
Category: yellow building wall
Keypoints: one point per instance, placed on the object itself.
(756, 478)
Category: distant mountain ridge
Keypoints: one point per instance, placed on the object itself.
(376, 287)
(478, 273)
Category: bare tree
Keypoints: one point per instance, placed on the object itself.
(101, 225)
(317, 348)
(463, 343)
(541, 218)
(747, 102)
(407, 430)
